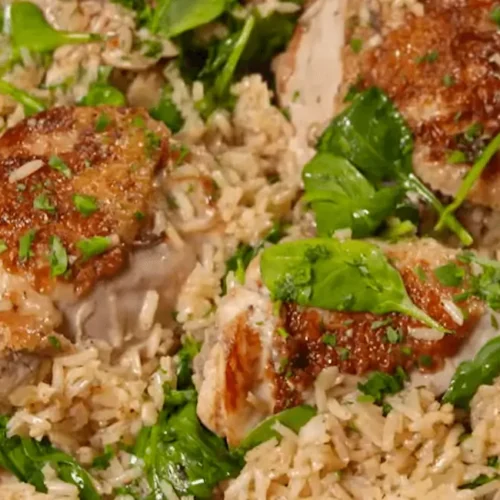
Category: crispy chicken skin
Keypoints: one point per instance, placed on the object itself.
(110, 154)
(254, 371)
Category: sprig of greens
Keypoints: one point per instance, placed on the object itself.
(25, 458)
(29, 29)
(469, 375)
(374, 137)
(470, 180)
(341, 197)
(351, 275)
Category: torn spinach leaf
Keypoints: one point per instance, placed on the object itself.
(293, 418)
(469, 375)
(29, 29)
(167, 112)
(341, 197)
(373, 136)
(245, 253)
(350, 275)
(25, 458)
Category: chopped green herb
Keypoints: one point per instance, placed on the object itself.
(86, 205)
(167, 112)
(58, 164)
(430, 57)
(282, 333)
(329, 339)
(473, 132)
(3, 246)
(153, 143)
(450, 274)
(344, 353)
(393, 335)
(42, 202)
(102, 462)
(348, 322)
(425, 360)
(183, 153)
(283, 365)
(296, 96)
(25, 243)
(138, 121)
(94, 246)
(456, 156)
(492, 461)
(406, 350)
(381, 384)
(103, 120)
(54, 342)
(356, 45)
(31, 104)
(495, 14)
(479, 481)
(139, 216)
(386, 409)
(419, 271)
(380, 323)
(449, 80)
(58, 257)
(365, 398)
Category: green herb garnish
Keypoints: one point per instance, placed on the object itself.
(329, 339)
(91, 247)
(58, 257)
(54, 342)
(456, 156)
(381, 384)
(103, 120)
(3, 246)
(450, 274)
(58, 164)
(42, 202)
(86, 205)
(393, 335)
(25, 243)
(425, 360)
(356, 45)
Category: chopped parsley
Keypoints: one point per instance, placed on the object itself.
(356, 45)
(450, 274)
(139, 215)
(94, 246)
(138, 121)
(492, 461)
(58, 257)
(456, 156)
(153, 142)
(381, 323)
(3, 246)
(406, 350)
(419, 271)
(58, 164)
(296, 96)
(54, 342)
(473, 132)
(42, 202)
(103, 120)
(282, 333)
(329, 339)
(425, 360)
(344, 353)
(495, 15)
(449, 80)
(25, 243)
(86, 205)
(381, 384)
(430, 57)
(393, 335)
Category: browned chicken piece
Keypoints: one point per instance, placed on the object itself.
(263, 363)
(442, 70)
(80, 196)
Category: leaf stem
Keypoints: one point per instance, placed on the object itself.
(413, 183)
(408, 308)
(470, 179)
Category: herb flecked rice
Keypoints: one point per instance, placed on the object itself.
(98, 422)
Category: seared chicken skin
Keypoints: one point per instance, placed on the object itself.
(264, 362)
(87, 179)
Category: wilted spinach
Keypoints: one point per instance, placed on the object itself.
(374, 137)
(29, 29)
(25, 458)
(350, 275)
(341, 197)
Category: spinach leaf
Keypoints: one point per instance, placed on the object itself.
(245, 253)
(470, 179)
(166, 111)
(374, 137)
(381, 384)
(294, 418)
(469, 375)
(173, 17)
(29, 29)
(342, 197)
(31, 104)
(25, 458)
(186, 355)
(350, 275)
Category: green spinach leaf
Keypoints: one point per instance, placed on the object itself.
(29, 29)
(350, 275)
(173, 17)
(25, 458)
(469, 375)
(31, 105)
(341, 197)
(374, 137)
